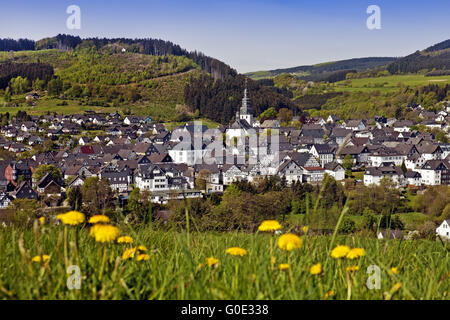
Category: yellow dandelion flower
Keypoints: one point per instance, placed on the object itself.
(99, 218)
(71, 218)
(105, 232)
(396, 287)
(93, 229)
(43, 258)
(42, 221)
(329, 294)
(125, 239)
(316, 269)
(236, 251)
(289, 241)
(305, 229)
(283, 266)
(355, 253)
(394, 270)
(352, 268)
(269, 226)
(211, 261)
(141, 249)
(128, 254)
(340, 251)
(143, 256)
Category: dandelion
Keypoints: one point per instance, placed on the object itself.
(72, 218)
(329, 294)
(340, 251)
(125, 239)
(42, 221)
(128, 254)
(93, 229)
(43, 258)
(236, 251)
(305, 229)
(355, 253)
(316, 269)
(211, 261)
(394, 270)
(396, 287)
(269, 226)
(143, 256)
(289, 241)
(352, 268)
(141, 249)
(284, 266)
(100, 218)
(105, 233)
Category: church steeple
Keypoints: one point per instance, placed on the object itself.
(245, 110)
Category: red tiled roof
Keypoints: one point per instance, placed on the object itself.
(87, 150)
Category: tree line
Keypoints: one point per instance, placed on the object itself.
(30, 71)
(220, 99)
(16, 45)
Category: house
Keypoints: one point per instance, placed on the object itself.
(24, 191)
(354, 125)
(435, 172)
(390, 234)
(444, 229)
(83, 141)
(76, 181)
(5, 200)
(49, 186)
(402, 125)
(413, 178)
(323, 152)
(130, 120)
(270, 124)
(333, 118)
(233, 173)
(335, 170)
(373, 175)
(291, 171)
(119, 180)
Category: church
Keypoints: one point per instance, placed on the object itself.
(244, 120)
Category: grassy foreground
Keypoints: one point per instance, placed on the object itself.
(177, 267)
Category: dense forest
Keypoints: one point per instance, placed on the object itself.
(436, 57)
(16, 45)
(30, 71)
(220, 99)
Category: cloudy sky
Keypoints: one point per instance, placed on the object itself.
(248, 35)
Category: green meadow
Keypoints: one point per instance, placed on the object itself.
(177, 266)
(388, 83)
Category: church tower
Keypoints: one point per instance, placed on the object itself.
(245, 112)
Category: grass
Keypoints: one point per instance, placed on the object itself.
(389, 83)
(177, 267)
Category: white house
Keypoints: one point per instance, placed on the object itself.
(444, 229)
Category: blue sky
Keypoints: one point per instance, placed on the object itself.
(248, 35)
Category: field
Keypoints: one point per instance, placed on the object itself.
(388, 83)
(177, 267)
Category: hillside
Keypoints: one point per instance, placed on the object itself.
(141, 76)
(435, 60)
(320, 72)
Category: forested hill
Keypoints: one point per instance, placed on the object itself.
(435, 60)
(146, 76)
(319, 72)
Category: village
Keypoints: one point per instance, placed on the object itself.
(134, 152)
